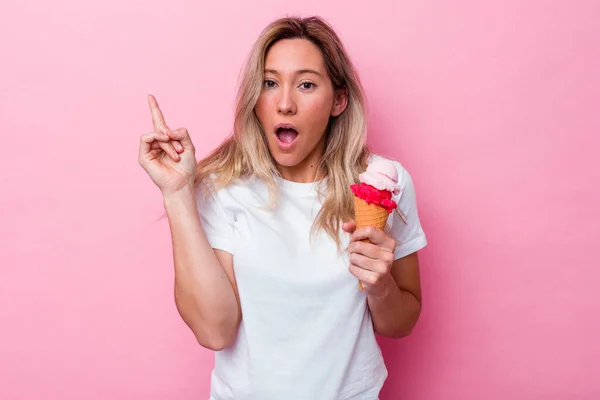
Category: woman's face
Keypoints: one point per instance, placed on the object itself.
(295, 105)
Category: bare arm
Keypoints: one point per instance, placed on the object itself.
(205, 290)
(396, 311)
(393, 287)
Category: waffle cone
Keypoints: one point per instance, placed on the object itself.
(366, 214)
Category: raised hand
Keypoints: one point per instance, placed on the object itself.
(168, 156)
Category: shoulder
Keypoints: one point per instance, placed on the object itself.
(239, 191)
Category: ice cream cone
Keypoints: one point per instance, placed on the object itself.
(373, 196)
(369, 214)
(366, 214)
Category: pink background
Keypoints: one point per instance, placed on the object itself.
(493, 106)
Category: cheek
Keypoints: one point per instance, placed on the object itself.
(262, 107)
(318, 105)
(319, 111)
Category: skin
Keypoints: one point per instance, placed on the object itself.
(297, 90)
(393, 287)
(205, 290)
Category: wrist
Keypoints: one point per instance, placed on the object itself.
(185, 190)
(384, 288)
(181, 195)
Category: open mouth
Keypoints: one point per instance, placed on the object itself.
(286, 136)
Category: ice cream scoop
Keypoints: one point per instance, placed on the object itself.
(381, 174)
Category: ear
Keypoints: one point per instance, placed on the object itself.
(340, 102)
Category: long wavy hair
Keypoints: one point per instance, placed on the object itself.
(245, 152)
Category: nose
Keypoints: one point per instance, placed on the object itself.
(286, 104)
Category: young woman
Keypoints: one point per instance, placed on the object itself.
(267, 257)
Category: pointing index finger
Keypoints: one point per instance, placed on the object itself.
(157, 118)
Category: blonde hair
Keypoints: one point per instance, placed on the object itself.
(246, 154)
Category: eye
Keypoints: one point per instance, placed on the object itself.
(307, 85)
(269, 83)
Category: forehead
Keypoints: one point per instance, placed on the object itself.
(289, 55)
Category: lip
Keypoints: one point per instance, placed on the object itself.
(285, 146)
(285, 126)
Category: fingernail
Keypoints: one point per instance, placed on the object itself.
(179, 146)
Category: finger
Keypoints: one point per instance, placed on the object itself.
(170, 150)
(155, 146)
(154, 154)
(176, 143)
(371, 251)
(349, 227)
(363, 275)
(148, 140)
(157, 118)
(368, 264)
(375, 236)
(168, 146)
(182, 135)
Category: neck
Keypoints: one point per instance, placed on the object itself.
(305, 171)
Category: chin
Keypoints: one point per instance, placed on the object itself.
(286, 160)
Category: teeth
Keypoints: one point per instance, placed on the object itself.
(287, 129)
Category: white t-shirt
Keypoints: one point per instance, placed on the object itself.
(306, 331)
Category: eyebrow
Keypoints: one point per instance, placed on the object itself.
(299, 72)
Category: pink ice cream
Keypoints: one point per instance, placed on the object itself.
(378, 183)
(382, 175)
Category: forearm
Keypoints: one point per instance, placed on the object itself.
(395, 312)
(204, 296)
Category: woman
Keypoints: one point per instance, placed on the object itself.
(264, 274)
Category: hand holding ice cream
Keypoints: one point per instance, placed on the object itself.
(373, 196)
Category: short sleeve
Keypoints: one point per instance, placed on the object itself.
(217, 223)
(409, 234)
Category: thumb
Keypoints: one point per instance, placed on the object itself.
(349, 227)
